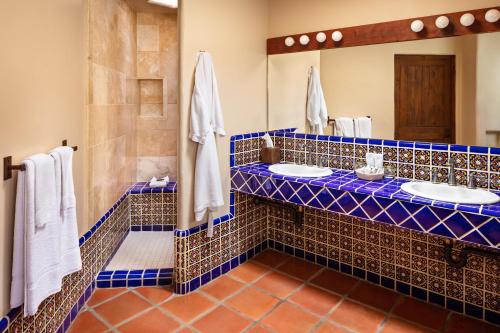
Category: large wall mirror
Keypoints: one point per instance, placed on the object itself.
(437, 90)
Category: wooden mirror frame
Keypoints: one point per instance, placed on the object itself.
(387, 32)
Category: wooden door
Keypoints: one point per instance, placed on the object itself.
(424, 93)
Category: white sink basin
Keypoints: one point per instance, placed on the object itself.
(455, 194)
(295, 170)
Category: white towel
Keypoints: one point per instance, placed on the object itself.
(344, 127)
(45, 189)
(70, 248)
(155, 182)
(317, 113)
(363, 127)
(206, 118)
(36, 269)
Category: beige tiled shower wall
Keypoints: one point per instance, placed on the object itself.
(112, 104)
(157, 70)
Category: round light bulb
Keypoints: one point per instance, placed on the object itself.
(467, 19)
(321, 37)
(337, 36)
(492, 15)
(304, 40)
(289, 41)
(417, 26)
(442, 22)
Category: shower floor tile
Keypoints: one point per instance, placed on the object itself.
(144, 249)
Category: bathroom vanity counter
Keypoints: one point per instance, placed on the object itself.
(381, 201)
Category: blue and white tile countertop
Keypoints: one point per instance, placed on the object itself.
(381, 201)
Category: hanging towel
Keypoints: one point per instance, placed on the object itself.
(36, 271)
(70, 248)
(317, 114)
(344, 127)
(363, 127)
(45, 190)
(206, 120)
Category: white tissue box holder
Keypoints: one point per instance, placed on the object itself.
(363, 173)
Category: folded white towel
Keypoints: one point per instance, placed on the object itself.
(45, 189)
(363, 127)
(68, 198)
(70, 248)
(36, 271)
(344, 126)
(154, 182)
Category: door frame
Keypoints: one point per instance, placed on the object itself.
(397, 83)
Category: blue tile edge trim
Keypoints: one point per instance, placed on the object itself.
(197, 282)
(392, 284)
(134, 278)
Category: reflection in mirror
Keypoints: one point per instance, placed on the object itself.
(438, 90)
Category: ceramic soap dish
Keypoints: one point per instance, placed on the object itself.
(365, 174)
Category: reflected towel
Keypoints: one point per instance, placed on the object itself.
(344, 126)
(317, 113)
(363, 127)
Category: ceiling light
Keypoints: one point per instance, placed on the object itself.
(417, 26)
(164, 3)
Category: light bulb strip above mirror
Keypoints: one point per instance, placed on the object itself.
(435, 26)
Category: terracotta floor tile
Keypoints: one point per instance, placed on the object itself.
(461, 324)
(357, 317)
(253, 303)
(221, 320)
(395, 325)
(271, 258)
(154, 294)
(124, 306)
(315, 299)
(334, 281)
(189, 306)
(248, 272)
(422, 313)
(330, 328)
(298, 268)
(258, 329)
(278, 284)
(86, 322)
(375, 296)
(152, 322)
(222, 287)
(101, 295)
(290, 319)
(186, 330)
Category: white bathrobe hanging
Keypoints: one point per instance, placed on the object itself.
(206, 120)
(317, 114)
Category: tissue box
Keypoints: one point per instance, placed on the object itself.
(271, 155)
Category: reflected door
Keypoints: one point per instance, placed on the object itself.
(424, 93)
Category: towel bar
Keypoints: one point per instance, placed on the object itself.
(332, 120)
(8, 167)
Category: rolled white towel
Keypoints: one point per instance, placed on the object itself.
(154, 182)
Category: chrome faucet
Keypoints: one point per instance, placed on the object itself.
(435, 176)
(308, 157)
(472, 183)
(452, 179)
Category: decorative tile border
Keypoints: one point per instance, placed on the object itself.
(381, 201)
(134, 278)
(407, 159)
(152, 227)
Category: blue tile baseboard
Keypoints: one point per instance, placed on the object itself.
(401, 287)
(134, 278)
